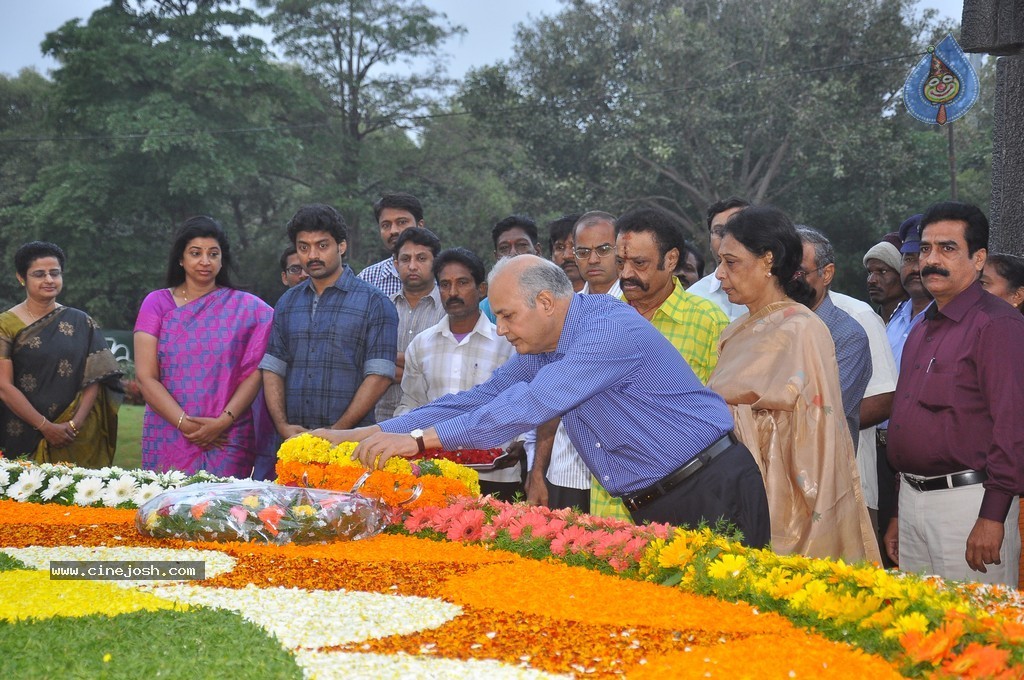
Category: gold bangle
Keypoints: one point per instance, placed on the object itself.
(41, 424)
(180, 418)
(230, 415)
(71, 424)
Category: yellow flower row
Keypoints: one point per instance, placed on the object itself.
(307, 448)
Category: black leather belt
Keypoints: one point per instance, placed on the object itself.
(673, 479)
(947, 481)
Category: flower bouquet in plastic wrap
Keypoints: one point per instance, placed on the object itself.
(261, 512)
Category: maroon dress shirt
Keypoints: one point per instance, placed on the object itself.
(959, 402)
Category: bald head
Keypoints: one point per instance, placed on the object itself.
(530, 297)
(531, 275)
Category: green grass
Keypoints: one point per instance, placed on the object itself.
(129, 437)
(200, 643)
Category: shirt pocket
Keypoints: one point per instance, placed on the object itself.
(938, 388)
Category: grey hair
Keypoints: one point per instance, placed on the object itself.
(536, 278)
(824, 253)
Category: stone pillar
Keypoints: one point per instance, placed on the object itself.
(996, 27)
(1007, 212)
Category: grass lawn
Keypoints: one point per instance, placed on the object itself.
(129, 437)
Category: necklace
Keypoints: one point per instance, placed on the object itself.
(36, 317)
(182, 293)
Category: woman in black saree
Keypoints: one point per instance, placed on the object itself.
(58, 379)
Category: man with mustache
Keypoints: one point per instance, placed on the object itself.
(332, 348)
(459, 352)
(393, 213)
(633, 408)
(560, 242)
(956, 436)
(418, 303)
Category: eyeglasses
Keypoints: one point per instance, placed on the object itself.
(520, 248)
(294, 269)
(603, 251)
(43, 273)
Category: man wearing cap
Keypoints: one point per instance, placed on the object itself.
(956, 436)
(885, 290)
(910, 312)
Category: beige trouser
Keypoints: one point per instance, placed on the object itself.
(934, 526)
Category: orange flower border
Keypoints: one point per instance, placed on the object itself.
(543, 614)
(393, 489)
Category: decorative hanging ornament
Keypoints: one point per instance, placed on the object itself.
(943, 86)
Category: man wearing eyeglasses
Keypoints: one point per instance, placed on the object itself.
(514, 235)
(594, 250)
(292, 273)
(853, 352)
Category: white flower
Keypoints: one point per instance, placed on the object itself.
(88, 491)
(56, 485)
(27, 484)
(5, 479)
(147, 492)
(120, 490)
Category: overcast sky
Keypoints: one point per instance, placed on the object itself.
(490, 27)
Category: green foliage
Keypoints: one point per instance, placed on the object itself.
(200, 643)
(8, 563)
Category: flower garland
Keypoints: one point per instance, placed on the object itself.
(923, 625)
(306, 460)
(110, 487)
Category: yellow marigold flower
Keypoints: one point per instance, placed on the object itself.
(880, 619)
(675, 554)
(304, 510)
(397, 465)
(914, 621)
(727, 566)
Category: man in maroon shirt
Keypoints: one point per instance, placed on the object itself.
(956, 435)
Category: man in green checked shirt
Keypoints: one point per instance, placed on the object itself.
(649, 244)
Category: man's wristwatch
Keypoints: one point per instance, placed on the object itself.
(418, 436)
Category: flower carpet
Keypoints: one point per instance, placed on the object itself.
(476, 588)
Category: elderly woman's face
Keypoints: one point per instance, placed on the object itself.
(44, 279)
(742, 273)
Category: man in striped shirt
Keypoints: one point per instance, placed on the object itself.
(461, 351)
(634, 410)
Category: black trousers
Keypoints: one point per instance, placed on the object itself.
(730, 488)
(566, 497)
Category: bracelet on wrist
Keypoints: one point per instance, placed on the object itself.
(181, 418)
(40, 426)
(73, 426)
(230, 415)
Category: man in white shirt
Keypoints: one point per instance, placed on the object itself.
(710, 287)
(558, 477)
(459, 352)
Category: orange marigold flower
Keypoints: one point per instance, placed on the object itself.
(978, 661)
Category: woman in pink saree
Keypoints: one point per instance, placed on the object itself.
(198, 344)
(777, 371)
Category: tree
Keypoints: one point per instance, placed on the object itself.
(162, 110)
(793, 102)
(347, 45)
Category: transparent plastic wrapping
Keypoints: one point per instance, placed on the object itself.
(261, 512)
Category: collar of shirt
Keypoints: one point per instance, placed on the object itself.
(615, 291)
(345, 282)
(434, 295)
(958, 306)
(483, 327)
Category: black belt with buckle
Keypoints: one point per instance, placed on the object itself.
(637, 500)
(947, 481)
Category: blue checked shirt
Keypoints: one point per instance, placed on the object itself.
(630, 403)
(383, 275)
(325, 346)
